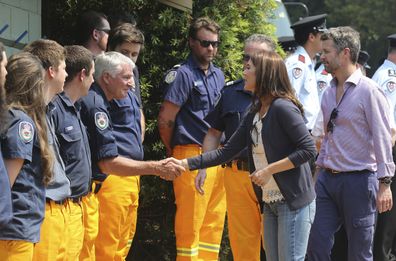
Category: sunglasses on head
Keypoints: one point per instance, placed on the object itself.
(206, 43)
(331, 123)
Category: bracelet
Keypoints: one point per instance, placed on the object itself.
(385, 180)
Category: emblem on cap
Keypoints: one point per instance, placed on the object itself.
(297, 72)
(170, 77)
(101, 120)
(26, 131)
(391, 86)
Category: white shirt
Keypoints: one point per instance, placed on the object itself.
(323, 79)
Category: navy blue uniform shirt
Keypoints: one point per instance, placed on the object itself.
(125, 117)
(5, 194)
(195, 93)
(230, 109)
(74, 146)
(28, 193)
(95, 116)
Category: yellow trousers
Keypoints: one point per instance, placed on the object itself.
(15, 250)
(118, 203)
(75, 232)
(199, 218)
(53, 234)
(91, 221)
(243, 213)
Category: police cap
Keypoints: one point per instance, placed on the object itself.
(363, 58)
(392, 40)
(310, 24)
(288, 43)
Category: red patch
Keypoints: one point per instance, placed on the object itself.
(324, 72)
(301, 58)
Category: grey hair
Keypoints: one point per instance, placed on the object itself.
(261, 38)
(111, 62)
(344, 37)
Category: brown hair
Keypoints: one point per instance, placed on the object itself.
(203, 22)
(25, 91)
(48, 51)
(77, 58)
(272, 79)
(125, 32)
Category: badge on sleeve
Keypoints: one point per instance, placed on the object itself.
(101, 120)
(297, 72)
(170, 77)
(391, 86)
(322, 85)
(26, 131)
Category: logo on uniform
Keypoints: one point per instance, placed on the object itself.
(391, 86)
(26, 131)
(297, 72)
(322, 85)
(392, 73)
(170, 77)
(101, 120)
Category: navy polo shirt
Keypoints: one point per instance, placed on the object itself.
(95, 116)
(230, 109)
(195, 93)
(74, 145)
(28, 193)
(125, 116)
(5, 195)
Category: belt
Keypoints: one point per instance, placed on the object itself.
(237, 165)
(76, 200)
(332, 171)
(58, 202)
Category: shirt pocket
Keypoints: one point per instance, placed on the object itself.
(200, 98)
(72, 145)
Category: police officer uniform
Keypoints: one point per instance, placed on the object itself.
(243, 209)
(95, 116)
(53, 233)
(28, 196)
(323, 79)
(75, 152)
(5, 195)
(385, 234)
(300, 68)
(199, 218)
(288, 44)
(119, 196)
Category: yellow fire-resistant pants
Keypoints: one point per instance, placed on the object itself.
(91, 220)
(54, 233)
(75, 231)
(243, 213)
(15, 250)
(118, 203)
(199, 218)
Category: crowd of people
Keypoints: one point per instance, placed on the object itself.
(296, 152)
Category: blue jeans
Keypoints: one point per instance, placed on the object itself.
(286, 231)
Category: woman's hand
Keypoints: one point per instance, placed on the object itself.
(261, 177)
(200, 181)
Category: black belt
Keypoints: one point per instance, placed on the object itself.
(237, 165)
(332, 171)
(58, 202)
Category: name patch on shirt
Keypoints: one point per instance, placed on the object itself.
(198, 83)
(26, 131)
(101, 120)
(69, 128)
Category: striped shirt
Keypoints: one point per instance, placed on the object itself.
(361, 137)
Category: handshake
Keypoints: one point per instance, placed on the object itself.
(170, 168)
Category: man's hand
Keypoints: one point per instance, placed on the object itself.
(169, 169)
(200, 181)
(261, 177)
(384, 198)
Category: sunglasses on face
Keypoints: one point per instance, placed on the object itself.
(246, 57)
(206, 43)
(331, 123)
(107, 31)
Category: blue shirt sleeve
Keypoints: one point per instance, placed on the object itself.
(179, 89)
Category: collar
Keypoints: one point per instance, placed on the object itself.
(352, 80)
(96, 88)
(240, 87)
(389, 64)
(65, 99)
(302, 51)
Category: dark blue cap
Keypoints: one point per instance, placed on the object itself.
(363, 58)
(392, 40)
(288, 43)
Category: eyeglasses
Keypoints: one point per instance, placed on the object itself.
(107, 31)
(246, 57)
(206, 43)
(331, 123)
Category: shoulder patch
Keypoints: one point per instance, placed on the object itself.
(391, 86)
(101, 120)
(391, 72)
(324, 72)
(26, 131)
(321, 85)
(297, 72)
(301, 58)
(171, 76)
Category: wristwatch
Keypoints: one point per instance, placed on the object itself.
(385, 180)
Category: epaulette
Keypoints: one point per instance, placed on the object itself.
(301, 58)
(391, 72)
(230, 83)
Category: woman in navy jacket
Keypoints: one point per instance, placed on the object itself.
(279, 147)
